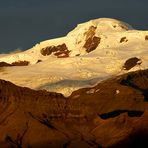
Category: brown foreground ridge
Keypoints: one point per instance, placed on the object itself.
(113, 113)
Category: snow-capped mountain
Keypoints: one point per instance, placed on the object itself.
(92, 52)
(101, 70)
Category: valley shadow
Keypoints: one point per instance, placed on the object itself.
(118, 112)
(137, 139)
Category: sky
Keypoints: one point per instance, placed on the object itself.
(23, 23)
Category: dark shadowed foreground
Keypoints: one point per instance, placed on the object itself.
(114, 113)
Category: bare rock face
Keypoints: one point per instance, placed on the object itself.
(130, 63)
(146, 37)
(91, 41)
(123, 39)
(61, 51)
(18, 63)
(113, 113)
(4, 64)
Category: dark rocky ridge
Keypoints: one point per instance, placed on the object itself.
(30, 118)
(61, 51)
(131, 62)
(18, 63)
(91, 41)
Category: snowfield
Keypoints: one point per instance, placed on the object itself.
(92, 52)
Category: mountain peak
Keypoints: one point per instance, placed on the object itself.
(102, 25)
(85, 38)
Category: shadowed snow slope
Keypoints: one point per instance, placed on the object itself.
(95, 50)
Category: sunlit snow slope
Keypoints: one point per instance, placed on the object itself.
(93, 51)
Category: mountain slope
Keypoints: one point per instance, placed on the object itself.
(91, 117)
(87, 89)
(92, 52)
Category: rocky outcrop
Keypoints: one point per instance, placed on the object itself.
(131, 62)
(18, 63)
(113, 113)
(61, 51)
(123, 39)
(91, 41)
(146, 37)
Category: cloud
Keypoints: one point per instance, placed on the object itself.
(15, 51)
